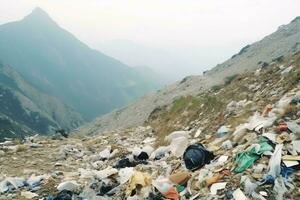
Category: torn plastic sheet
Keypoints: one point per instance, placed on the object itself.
(178, 146)
(270, 136)
(163, 185)
(275, 160)
(11, 183)
(177, 134)
(223, 130)
(125, 174)
(239, 195)
(296, 146)
(279, 188)
(262, 147)
(286, 172)
(249, 186)
(293, 127)
(138, 179)
(246, 159)
(258, 120)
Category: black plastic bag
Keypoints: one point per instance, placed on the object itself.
(126, 162)
(196, 156)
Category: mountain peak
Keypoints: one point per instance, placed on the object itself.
(38, 14)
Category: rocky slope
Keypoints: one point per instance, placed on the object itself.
(55, 61)
(280, 44)
(250, 124)
(25, 110)
(231, 103)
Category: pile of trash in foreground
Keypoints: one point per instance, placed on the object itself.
(257, 159)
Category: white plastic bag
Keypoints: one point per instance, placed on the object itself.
(178, 146)
(275, 160)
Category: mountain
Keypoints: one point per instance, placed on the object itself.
(171, 62)
(57, 63)
(25, 110)
(149, 74)
(273, 48)
(284, 42)
(134, 54)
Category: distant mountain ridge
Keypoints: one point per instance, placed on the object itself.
(282, 43)
(171, 62)
(163, 62)
(25, 110)
(57, 63)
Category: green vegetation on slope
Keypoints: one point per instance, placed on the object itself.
(208, 109)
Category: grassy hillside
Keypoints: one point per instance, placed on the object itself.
(209, 109)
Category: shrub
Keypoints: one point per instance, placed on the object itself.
(216, 88)
(229, 79)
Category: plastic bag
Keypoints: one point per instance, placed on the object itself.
(177, 134)
(178, 145)
(239, 195)
(11, 183)
(275, 160)
(180, 178)
(245, 160)
(63, 195)
(257, 120)
(68, 186)
(279, 188)
(249, 186)
(138, 178)
(172, 194)
(163, 185)
(125, 174)
(222, 131)
(264, 146)
(196, 156)
(293, 127)
(203, 174)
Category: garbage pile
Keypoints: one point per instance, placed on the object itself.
(258, 159)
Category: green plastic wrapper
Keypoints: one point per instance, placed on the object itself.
(244, 160)
(179, 188)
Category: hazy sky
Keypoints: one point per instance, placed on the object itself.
(165, 23)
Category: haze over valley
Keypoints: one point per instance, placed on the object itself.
(154, 100)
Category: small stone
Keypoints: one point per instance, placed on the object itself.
(286, 72)
(58, 164)
(28, 194)
(68, 185)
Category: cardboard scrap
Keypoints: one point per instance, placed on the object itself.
(290, 163)
(180, 178)
(290, 157)
(217, 186)
(239, 195)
